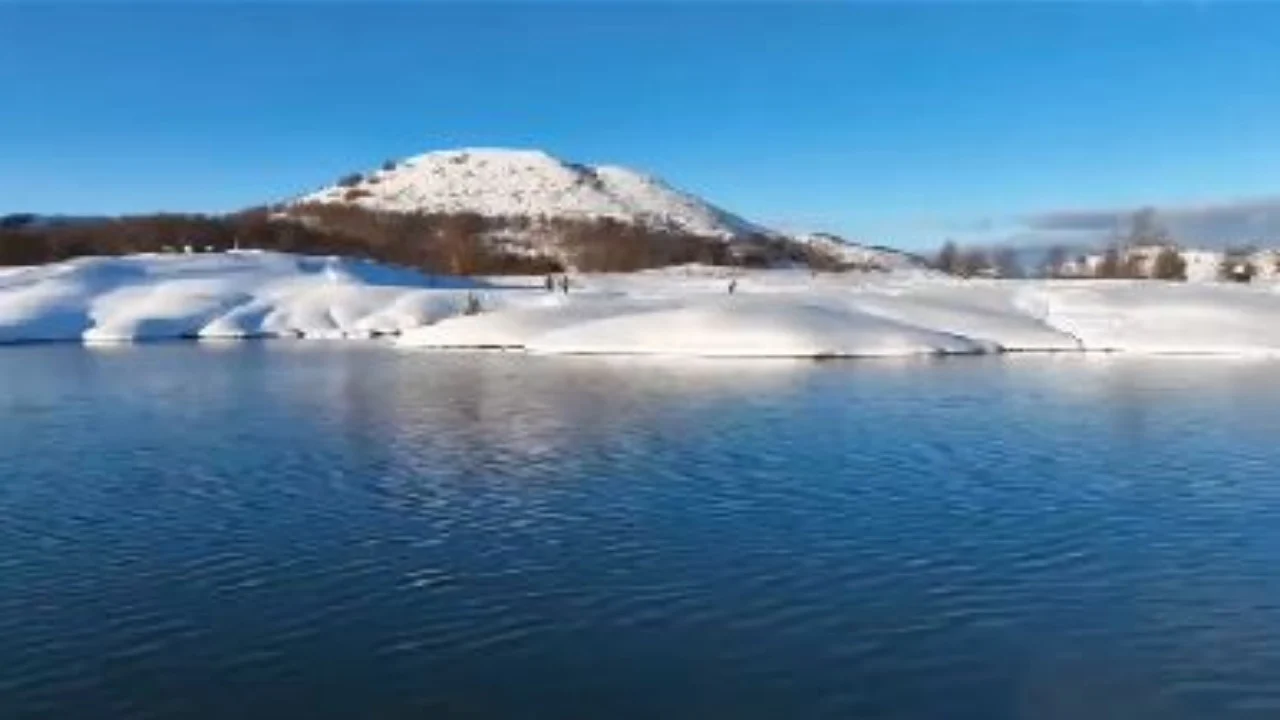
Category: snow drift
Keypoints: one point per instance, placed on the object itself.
(778, 313)
(232, 295)
(701, 325)
(679, 311)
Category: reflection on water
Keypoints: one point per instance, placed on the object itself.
(270, 530)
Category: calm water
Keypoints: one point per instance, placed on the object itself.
(293, 530)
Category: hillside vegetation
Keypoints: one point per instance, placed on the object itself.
(458, 244)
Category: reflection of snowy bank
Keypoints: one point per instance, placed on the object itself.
(679, 312)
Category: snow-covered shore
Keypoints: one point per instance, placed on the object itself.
(783, 313)
(676, 311)
(231, 295)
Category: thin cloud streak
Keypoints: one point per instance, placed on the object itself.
(1215, 224)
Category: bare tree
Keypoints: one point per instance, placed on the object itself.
(1109, 267)
(1133, 266)
(948, 259)
(1169, 265)
(460, 240)
(973, 261)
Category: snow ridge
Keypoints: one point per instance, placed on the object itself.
(859, 255)
(530, 183)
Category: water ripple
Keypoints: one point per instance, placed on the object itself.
(360, 532)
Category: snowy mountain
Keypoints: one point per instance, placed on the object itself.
(529, 184)
(529, 204)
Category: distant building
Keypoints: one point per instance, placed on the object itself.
(1201, 265)
(1241, 270)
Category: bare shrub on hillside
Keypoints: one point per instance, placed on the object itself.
(429, 243)
(459, 243)
(609, 245)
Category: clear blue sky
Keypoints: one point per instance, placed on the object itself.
(898, 123)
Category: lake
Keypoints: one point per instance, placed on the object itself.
(347, 530)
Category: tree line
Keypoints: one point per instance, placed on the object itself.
(1144, 250)
(432, 243)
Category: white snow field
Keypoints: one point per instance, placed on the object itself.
(794, 314)
(676, 311)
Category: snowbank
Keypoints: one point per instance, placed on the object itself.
(677, 311)
(230, 295)
(1165, 318)
(701, 325)
(777, 313)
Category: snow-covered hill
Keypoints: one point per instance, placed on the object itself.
(529, 184)
(538, 203)
(859, 256)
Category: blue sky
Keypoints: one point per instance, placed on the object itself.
(901, 123)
